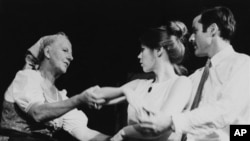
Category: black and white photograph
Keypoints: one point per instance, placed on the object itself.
(124, 70)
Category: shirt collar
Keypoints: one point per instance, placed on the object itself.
(221, 55)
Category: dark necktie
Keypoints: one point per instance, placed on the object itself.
(199, 91)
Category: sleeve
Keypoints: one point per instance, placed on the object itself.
(230, 108)
(75, 122)
(74, 119)
(27, 89)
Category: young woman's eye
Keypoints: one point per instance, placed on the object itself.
(194, 30)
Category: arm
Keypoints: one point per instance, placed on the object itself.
(109, 92)
(133, 131)
(48, 111)
(116, 100)
(28, 94)
(114, 95)
(75, 122)
(86, 134)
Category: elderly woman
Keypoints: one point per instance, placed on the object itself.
(33, 108)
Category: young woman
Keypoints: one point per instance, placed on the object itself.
(162, 49)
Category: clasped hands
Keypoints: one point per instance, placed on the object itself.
(151, 123)
(93, 97)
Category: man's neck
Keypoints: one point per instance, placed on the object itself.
(217, 45)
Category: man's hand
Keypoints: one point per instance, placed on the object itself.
(155, 124)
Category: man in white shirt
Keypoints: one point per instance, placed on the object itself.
(225, 98)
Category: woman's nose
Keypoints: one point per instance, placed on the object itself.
(70, 57)
(139, 55)
(191, 38)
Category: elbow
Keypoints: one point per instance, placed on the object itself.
(156, 133)
(40, 113)
(151, 134)
(37, 115)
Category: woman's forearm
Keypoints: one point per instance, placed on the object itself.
(110, 92)
(48, 111)
(86, 134)
(134, 131)
(116, 100)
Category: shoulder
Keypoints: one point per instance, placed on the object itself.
(25, 76)
(237, 62)
(135, 83)
(241, 55)
(182, 86)
(243, 58)
(241, 64)
(237, 59)
(144, 80)
(183, 81)
(28, 73)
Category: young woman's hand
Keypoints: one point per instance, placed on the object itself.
(92, 98)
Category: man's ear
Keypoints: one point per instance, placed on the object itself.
(213, 29)
(46, 51)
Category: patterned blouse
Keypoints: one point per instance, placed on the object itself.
(27, 89)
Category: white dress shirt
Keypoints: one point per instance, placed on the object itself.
(225, 99)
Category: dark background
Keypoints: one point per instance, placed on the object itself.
(104, 35)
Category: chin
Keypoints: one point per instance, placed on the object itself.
(199, 54)
(146, 71)
(62, 71)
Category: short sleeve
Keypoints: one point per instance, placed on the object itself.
(63, 94)
(27, 89)
(74, 119)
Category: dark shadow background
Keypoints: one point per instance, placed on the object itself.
(104, 35)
